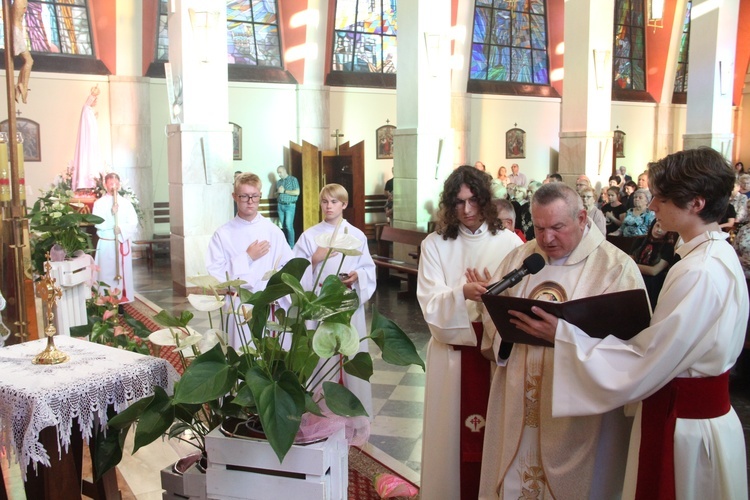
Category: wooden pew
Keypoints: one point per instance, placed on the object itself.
(385, 262)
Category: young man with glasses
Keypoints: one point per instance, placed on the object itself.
(248, 246)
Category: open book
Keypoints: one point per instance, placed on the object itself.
(622, 314)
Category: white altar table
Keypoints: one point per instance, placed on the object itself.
(36, 397)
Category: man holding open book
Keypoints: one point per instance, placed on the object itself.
(527, 453)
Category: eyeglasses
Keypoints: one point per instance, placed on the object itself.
(245, 198)
(473, 202)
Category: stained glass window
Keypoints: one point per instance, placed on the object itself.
(364, 36)
(629, 46)
(509, 43)
(56, 26)
(252, 33)
(681, 77)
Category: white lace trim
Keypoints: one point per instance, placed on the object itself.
(33, 397)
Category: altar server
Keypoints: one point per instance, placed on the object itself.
(469, 236)
(357, 272)
(248, 246)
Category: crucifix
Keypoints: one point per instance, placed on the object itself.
(337, 134)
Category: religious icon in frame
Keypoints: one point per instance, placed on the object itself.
(236, 141)
(619, 143)
(29, 130)
(515, 143)
(384, 142)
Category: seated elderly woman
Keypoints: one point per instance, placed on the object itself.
(636, 221)
(589, 203)
(742, 247)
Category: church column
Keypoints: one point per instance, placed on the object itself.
(200, 141)
(664, 142)
(313, 98)
(130, 116)
(713, 38)
(460, 99)
(585, 129)
(424, 140)
(744, 123)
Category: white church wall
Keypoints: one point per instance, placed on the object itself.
(358, 113)
(55, 102)
(638, 121)
(492, 116)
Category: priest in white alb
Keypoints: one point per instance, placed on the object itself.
(527, 453)
(114, 253)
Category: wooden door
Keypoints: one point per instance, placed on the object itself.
(347, 169)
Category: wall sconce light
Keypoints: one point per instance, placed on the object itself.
(655, 14)
(602, 70)
(202, 22)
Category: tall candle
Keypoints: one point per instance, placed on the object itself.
(4, 169)
(21, 172)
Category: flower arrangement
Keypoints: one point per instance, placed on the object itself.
(55, 220)
(277, 375)
(105, 325)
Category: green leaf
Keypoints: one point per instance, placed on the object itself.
(280, 406)
(130, 414)
(342, 401)
(311, 406)
(244, 396)
(295, 267)
(107, 451)
(166, 319)
(155, 420)
(360, 366)
(208, 377)
(398, 349)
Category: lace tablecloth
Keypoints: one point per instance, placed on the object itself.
(33, 397)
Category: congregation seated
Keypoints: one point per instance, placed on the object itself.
(636, 221)
(654, 257)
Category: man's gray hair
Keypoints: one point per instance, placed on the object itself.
(553, 191)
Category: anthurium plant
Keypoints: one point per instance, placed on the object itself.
(276, 374)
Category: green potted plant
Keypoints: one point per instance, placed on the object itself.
(54, 220)
(263, 380)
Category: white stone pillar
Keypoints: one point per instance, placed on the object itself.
(130, 112)
(313, 98)
(423, 141)
(200, 145)
(585, 129)
(743, 146)
(460, 99)
(713, 38)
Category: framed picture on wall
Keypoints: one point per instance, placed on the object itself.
(236, 141)
(29, 130)
(619, 144)
(515, 143)
(384, 141)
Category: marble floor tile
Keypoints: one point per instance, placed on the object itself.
(408, 393)
(396, 426)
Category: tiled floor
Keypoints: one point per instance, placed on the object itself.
(398, 392)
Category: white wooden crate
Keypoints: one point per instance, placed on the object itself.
(191, 484)
(314, 471)
(72, 277)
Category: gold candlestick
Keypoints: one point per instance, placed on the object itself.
(50, 294)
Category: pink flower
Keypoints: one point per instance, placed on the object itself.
(107, 314)
(390, 486)
(119, 331)
(100, 301)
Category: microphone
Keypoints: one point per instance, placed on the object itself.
(531, 265)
